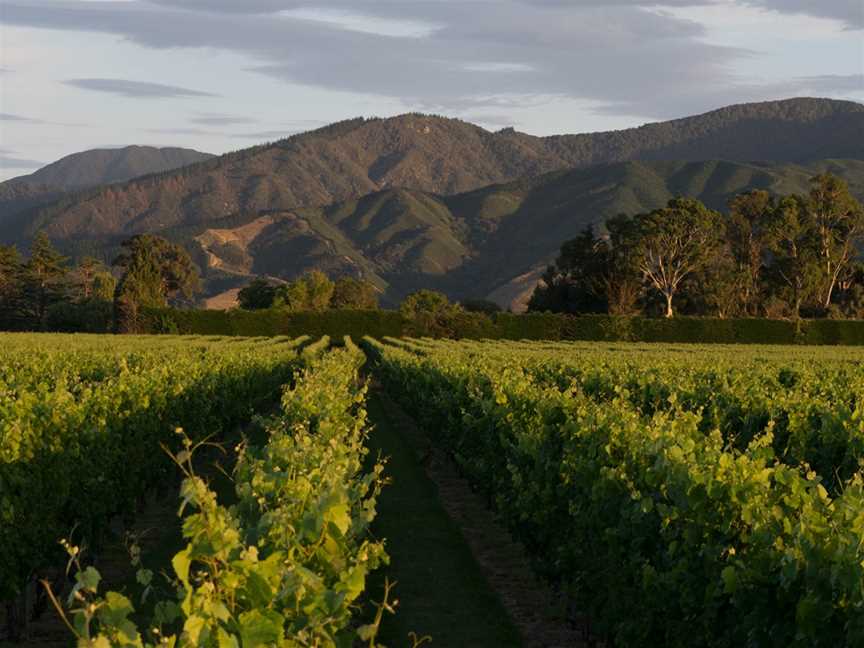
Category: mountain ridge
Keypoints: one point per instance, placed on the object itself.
(437, 155)
(101, 166)
(423, 201)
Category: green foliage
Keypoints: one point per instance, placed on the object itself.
(85, 316)
(354, 294)
(480, 306)
(311, 292)
(779, 257)
(258, 295)
(429, 312)
(154, 271)
(11, 269)
(506, 326)
(285, 565)
(84, 419)
(43, 280)
(333, 323)
(709, 499)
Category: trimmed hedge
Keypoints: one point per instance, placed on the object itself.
(507, 326)
(336, 323)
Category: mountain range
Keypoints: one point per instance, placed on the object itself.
(420, 200)
(90, 169)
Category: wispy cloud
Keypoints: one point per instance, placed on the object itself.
(208, 119)
(19, 118)
(850, 12)
(136, 89)
(9, 160)
(267, 135)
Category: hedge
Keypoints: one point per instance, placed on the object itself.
(336, 323)
(506, 326)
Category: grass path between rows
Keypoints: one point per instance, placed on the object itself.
(441, 589)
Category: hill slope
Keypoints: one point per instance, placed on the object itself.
(492, 241)
(432, 154)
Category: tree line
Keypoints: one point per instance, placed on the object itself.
(46, 292)
(314, 291)
(771, 256)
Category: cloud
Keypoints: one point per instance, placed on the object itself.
(9, 160)
(828, 83)
(208, 119)
(267, 135)
(181, 131)
(135, 89)
(19, 118)
(470, 55)
(849, 12)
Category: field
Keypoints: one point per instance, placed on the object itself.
(321, 493)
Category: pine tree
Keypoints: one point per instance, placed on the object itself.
(44, 280)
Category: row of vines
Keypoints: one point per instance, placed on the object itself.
(679, 496)
(88, 430)
(676, 495)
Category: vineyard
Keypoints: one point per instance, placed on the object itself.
(669, 495)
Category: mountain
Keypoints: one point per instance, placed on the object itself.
(89, 169)
(432, 154)
(109, 166)
(426, 201)
(492, 242)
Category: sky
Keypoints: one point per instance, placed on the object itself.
(221, 75)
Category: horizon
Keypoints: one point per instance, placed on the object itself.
(216, 76)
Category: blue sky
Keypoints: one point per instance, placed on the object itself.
(220, 75)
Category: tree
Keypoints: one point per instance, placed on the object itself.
(11, 271)
(426, 302)
(795, 269)
(573, 284)
(594, 274)
(717, 287)
(93, 280)
(838, 222)
(749, 214)
(429, 312)
(675, 242)
(619, 266)
(311, 292)
(355, 294)
(155, 271)
(162, 270)
(258, 295)
(44, 279)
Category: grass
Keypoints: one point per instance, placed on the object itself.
(441, 590)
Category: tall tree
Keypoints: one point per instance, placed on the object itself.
(838, 222)
(572, 284)
(749, 214)
(44, 279)
(675, 242)
(618, 268)
(154, 272)
(795, 267)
